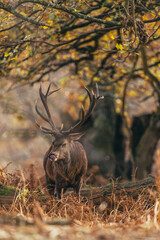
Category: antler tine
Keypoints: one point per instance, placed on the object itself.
(43, 129)
(94, 97)
(45, 104)
(47, 118)
(47, 89)
(53, 91)
(78, 128)
(97, 93)
(40, 114)
(79, 123)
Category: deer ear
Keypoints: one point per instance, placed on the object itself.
(76, 136)
(53, 139)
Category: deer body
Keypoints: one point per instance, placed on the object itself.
(65, 167)
(65, 163)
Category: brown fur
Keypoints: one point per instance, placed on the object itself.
(69, 168)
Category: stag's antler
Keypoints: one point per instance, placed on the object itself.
(48, 119)
(76, 131)
(79, 129)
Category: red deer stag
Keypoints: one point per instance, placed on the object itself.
(65, 163)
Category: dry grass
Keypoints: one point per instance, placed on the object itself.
(32, 203)
(121, 208)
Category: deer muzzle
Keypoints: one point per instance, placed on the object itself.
(52, 157)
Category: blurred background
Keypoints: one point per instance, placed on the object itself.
(107, 141)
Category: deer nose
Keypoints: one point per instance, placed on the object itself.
(52, 157)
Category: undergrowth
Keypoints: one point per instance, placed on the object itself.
(31, 200)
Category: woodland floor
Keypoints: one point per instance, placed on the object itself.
(33, 214)
(76, 231)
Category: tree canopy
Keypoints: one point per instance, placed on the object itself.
(101, 40)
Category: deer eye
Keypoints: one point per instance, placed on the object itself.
(64, 144)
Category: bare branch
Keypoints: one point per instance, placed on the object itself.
(10, 9)
(155, 82)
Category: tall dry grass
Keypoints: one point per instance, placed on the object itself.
(32, 201)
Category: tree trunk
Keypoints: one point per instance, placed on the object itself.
(145, 150)
(99, 140)
(119, 148)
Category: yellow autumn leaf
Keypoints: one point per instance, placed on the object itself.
(144, 17)
(112, 36)
(147, 92)
(123, 70)
(68, 35)
(105, 38)
(132, 93)
(119, 46)
(108, 18)
(97, 79)
(57, 57)
(80, 98)
(50, 23)
(24, 14)
(118, 110)
(137, 41)
(6, 54)
(109, 87)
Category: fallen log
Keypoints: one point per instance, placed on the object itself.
(98, 194)
(95, 194)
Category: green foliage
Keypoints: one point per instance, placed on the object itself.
(7, 190)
